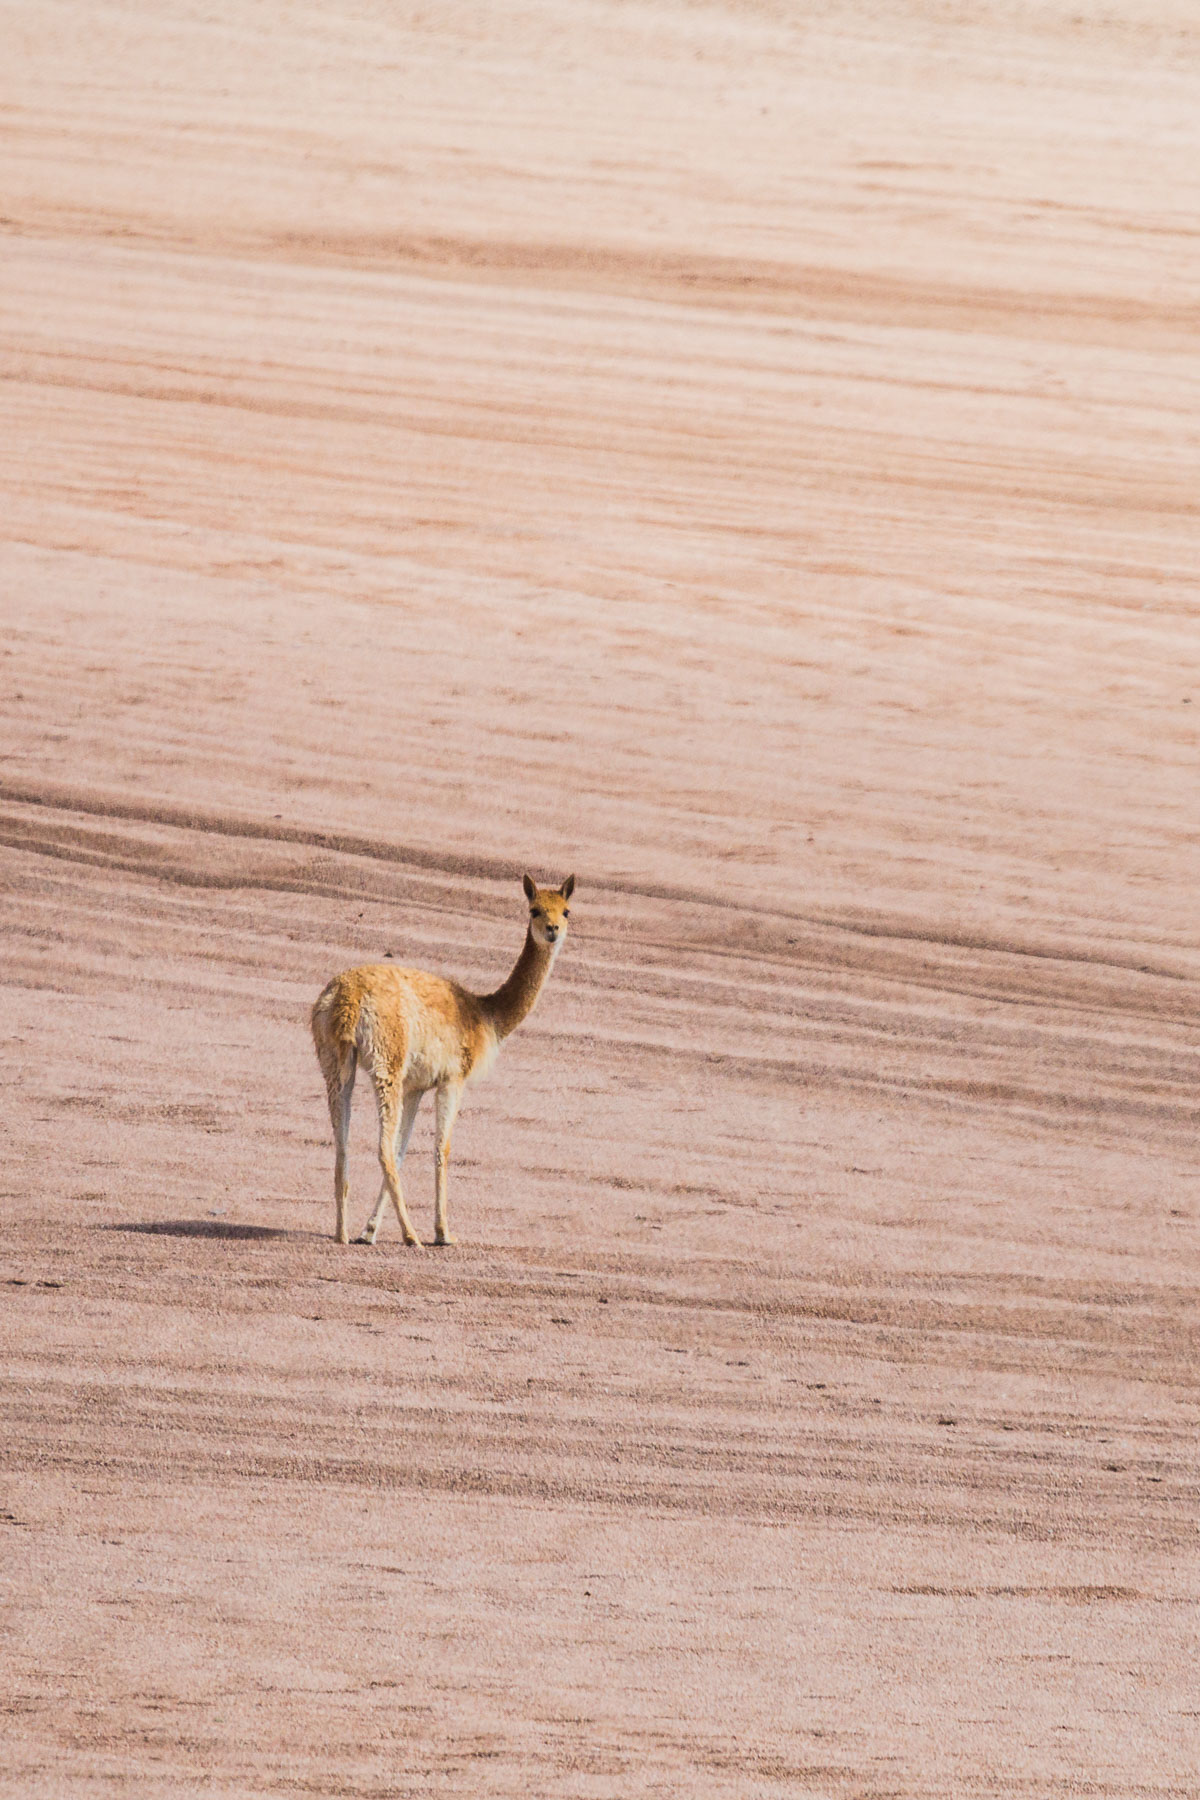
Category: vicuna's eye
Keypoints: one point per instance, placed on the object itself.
(537, 913)
(566, 912)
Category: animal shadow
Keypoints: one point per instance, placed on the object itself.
(207, 1228)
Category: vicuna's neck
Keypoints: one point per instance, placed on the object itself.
(518, 996)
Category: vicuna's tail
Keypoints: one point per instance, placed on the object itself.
(335, 1032)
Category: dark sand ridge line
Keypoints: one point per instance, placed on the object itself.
(1139, 1329)
(1084, 1076)
(963, 1492)
(1089, 1074)
(1065, 1038)
(514, 1422)
(63, 839)
(1102, 1096)
(686, 1439)
(361, 395)
(857, 1494)
(693, 1436)
(1104, 1104)
(1042, 479)
(1041, 482)
(803, 290)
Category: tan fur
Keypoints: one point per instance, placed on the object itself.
(413, 1032)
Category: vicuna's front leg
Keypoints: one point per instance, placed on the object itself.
(408, 1119)
(389, 1120)
(447, 1109)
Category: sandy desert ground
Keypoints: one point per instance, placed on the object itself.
(747, 454)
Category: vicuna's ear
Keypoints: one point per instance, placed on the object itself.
(530, 886)
(568, 887)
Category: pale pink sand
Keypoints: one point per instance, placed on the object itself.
(747, 455)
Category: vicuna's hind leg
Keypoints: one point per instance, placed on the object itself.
(389, 1122)
(340, 1094)
(408, 1119)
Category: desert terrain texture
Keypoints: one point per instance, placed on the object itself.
(745, 454)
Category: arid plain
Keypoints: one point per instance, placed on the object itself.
(748, 455)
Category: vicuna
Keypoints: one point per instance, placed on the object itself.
(412, 1032)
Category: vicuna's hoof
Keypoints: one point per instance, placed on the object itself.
(362, 1238)
(443, 1239)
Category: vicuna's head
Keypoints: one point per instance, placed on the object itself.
(548, 910)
